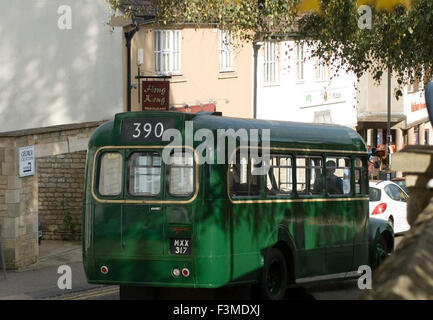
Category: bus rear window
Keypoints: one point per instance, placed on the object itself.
(110, 174)
(181, 174)
(145, 174)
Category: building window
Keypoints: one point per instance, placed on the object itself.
(226, 51)
(167, 52)
(322, 72)
(299, 61)
(271, 62)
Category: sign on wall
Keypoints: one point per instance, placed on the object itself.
(27, 161)
(155, 95)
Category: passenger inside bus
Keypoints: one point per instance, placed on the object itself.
(333, 182)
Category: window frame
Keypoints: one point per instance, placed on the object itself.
(300, 62)
(259, 178)
(351, 178)
(168, 177)
(321, 72)
(308, 168)
(98, 174)
(279, 166)
(168, 50)
(363, 176)
(129, 175)
(225, 51)
(270, 63)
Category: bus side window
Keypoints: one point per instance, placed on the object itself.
(301, 175)
(360, 177)
(279, 180)
(338, 175)
(309, 175)
(242, 181)
(316, 176)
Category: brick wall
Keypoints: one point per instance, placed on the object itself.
(61, 183)
(52, 196)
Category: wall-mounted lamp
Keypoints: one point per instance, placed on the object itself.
(140, 57)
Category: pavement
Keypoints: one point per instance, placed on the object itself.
(39, 281)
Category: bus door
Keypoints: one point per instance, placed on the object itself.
(143, 215)
(246, 218)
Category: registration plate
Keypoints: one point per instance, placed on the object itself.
(180, 246)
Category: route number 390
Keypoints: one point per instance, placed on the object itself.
(146, 129)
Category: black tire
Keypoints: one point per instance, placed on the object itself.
(384, 246)
(275, 276)
(136, 293)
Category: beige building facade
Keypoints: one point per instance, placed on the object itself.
(204, 66)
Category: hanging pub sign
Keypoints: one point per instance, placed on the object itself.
(155, 95)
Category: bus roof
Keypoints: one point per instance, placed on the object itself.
(283, 133)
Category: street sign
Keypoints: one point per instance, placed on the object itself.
(27, 161)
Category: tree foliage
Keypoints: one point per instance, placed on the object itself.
(399, 38)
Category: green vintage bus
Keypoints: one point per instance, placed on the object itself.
(148, 223)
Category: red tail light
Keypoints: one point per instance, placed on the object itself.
(380, 208)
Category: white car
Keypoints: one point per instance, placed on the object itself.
(388, 202)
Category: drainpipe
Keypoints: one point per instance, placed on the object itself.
(128, 36)
(256, 48)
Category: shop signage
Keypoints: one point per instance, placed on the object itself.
(417, 106)
(27, 161)
(155, 95)
(317, 98)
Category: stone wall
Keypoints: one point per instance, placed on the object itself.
(61, 182)
(59, 152)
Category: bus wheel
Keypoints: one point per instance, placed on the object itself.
(136, 293)
(382, 250)
(274, 283)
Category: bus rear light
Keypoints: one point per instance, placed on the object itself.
(185, 272)
(104, 270)
(380, 208)
(175, 272)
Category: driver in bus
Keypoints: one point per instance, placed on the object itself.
(333, 182)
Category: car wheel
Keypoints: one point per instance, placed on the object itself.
(275, 276)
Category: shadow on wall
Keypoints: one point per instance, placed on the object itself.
(50, 76)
